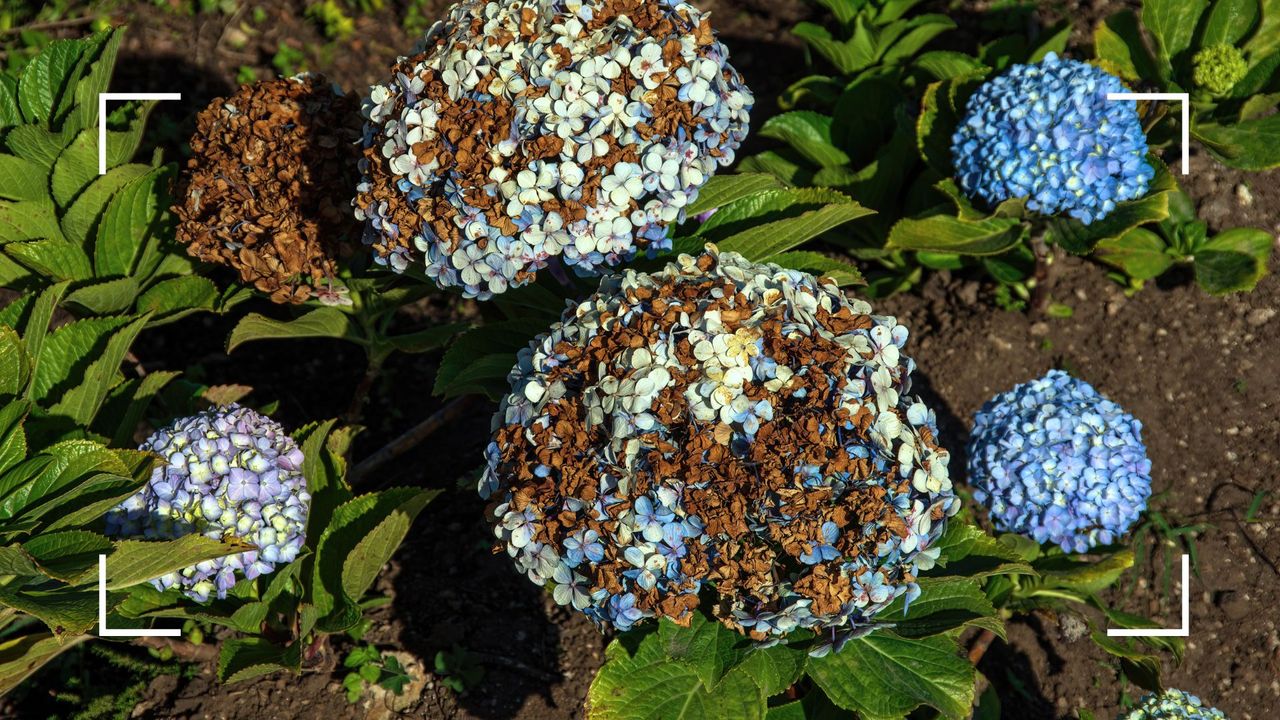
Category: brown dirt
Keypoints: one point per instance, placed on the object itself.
(1202, 373)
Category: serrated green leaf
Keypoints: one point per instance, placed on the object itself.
(947, 64)
(1229, 22)
(247, 658)
(28, 220)
(70, 463)
(493, 340)
(82, 217)
(1233, 261)
(1079, 239)
(67, 555)
(1172, 23)
(1118, 40)
(65, 610)
(764, 206)
(774, 669)
(809, 133)
(23, 655)
(75, 168)
(944, 233)
(15, 561)
(179, 295)
(22, 180)
(1083, 576)
(432, 338)
(13, 440)
(37, 144)
(721, 190)
(81, 403)
(137, 561)
(710, 649)
(884, 676)
(131, 217)
(10, 113)
(944, 604)
(647, 685)
(967, 551)
(1248, 145)
(84, 111)
(323, 322)
(37, 327)
(54, 258)
(1139, 253)
(848, 57)
(15, 363)
(105, 298)
(68, 351)
(842, 272)
(46, 78)
(785, 164)
(921, 29)
(941, 110)
(780, 236)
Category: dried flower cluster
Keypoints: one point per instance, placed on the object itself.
(230, 473)
(264, 189)
(725, 425)
(1055, 460)
(535, 132)
(1172, 704)
(1046, 132)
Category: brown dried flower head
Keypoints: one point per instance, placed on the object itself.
(265, 190)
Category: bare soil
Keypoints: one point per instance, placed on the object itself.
(1202, 373)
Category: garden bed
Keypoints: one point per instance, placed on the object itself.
(1202, 373)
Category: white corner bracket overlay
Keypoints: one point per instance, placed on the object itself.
(1183, 631)
(103, 630)
(102, 118)
(1184, 101)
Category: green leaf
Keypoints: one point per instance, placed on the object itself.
(323, 322)
(883, 676)
(1063, 571)
(809, 133)
(721, 190)
(179, 296)
(432, 338)
(84, 112)
(966, 551)
(785, 164)
(37, 144)
(22, 179)
(944, 604)
(842, 272)
(1139, 253)
(941, 110)
(1248, 145)
(847, 57)
(1055, 43)
(1266, 39)
(648, 685)
(105, 298)
(54, 258)
(1079, 239)
(66, 611)
(765, 206)
(76, 167)
(774, 669)
(23, 655)
(28, 220)
(947, 64)
(13, 440)
(137, 397)
(1172, 23)
(1229, 22)
(83, 215)
(500, 340)
(81, 403)
(10, 112)
(247, 658)
(130, 218)
(779, 236)
(46, 78)
(68, 556)
(922, 29)
(1233, 261)
(15, 363)
(138, 561)
(1118, 40)
(943, 233)
(68, 350)
(70, 463)
(706, 646)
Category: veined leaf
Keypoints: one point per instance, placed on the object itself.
(179, 296)
(15, 363)
(247, 658)
(764, 206)
(501, 339)
(1173, 24)
(883, 676)
(1248, 145)
(1118, 40)
(848, 57)
(105, 298)
(37, 143)
(28, 220)
(83, 215)
(809, 133)
(13, 440)
(1139, 253)
(130, 218)
(1229, 22)
(68, 350)
(323, 322)
(23, 655)
(721, 190)
(944, 233)
(81, 403)
(843, 273)
(54, 258)
(779, 236)
(22, 180)
(1233, 261)
(944, 604)
(46, 78)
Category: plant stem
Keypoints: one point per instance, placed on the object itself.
(411, 438)
(361, 395)
(979, 647)
(1043, 274)
(182, 649)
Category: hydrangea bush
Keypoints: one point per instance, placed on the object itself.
(545, 131)
(1046, 132)
(230, 472)
(1055, 460)
(727, 425)
(1172, 704)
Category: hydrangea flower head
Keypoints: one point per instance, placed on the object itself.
(1218, 68)
(536, 133)
(1046, 132)
(230, 473)
(1056, 461)
(720, 426)
(1172, 705)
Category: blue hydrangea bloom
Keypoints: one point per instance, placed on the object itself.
(1047, 132)
(229, 473)
(720, 428)
(1055, 460)
(1172, 705)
